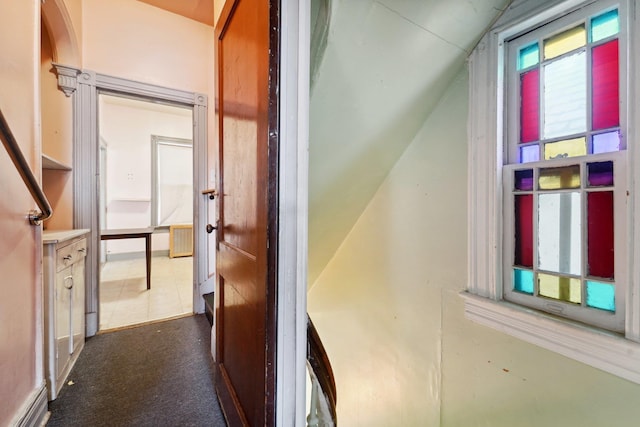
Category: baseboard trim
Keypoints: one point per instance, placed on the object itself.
(34, 412)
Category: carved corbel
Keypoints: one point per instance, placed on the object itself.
(67, 78)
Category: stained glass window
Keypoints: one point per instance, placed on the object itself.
(569, 91)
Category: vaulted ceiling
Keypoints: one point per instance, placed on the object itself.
(385, 66)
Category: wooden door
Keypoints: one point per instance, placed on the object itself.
(247, 120)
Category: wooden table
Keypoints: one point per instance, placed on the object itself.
(133, 233)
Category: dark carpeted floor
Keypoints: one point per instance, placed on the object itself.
(154, 375)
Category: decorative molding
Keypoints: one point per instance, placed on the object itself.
(34, 412)
(606, 351)
(67, 78)
(201, 205)
(85, 169)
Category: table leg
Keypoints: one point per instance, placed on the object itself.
(148, 253)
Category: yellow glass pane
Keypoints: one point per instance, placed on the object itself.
(567, 148)
(559, 178)
(560, 288)
(565, 42)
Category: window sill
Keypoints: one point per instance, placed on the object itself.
(599, 349)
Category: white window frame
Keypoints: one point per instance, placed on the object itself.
(618, 354)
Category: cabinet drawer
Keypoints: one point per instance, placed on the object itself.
(80, 249)
(69, 254)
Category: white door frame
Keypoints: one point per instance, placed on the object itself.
(86, 86)
(293, 213)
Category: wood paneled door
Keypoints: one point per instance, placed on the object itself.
(247, 48)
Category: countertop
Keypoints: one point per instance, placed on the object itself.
(57, 236)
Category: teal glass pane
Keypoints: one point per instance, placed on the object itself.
(528, 56)
(605, 25)
(601, 295)
(523, 281)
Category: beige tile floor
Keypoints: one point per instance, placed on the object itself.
(125, 300)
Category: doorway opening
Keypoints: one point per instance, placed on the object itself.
(146, 183)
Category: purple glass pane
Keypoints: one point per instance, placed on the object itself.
(600, 174)
(524, 180)
(606, 142)
(530, 153)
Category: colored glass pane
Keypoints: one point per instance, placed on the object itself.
(606, 142)
(523, 281)
(567, 148)
(559, 178)
(523, 180)
(605, 25)
(564, 42)
(529, 153)
(530, 106)
(600, 250)
(601, 295)
(528, 56)
(560, 288)
(600, 174)
(605, 86)
(559, 234)
(524, 230)
(565, 96)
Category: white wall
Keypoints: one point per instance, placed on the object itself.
(126, 127)
(20, 243)
(388, 311)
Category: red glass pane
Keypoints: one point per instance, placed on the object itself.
(600, 250)
(524, 230)
(606, 105)
(530, 106)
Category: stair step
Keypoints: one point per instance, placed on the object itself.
(209, 301)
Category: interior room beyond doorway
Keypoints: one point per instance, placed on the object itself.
(146, 181)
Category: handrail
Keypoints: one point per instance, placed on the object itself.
(321, 367)
(12, 147)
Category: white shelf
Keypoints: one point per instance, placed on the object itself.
(51, 163)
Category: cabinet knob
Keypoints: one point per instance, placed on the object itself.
(68, 282)
(67, 258)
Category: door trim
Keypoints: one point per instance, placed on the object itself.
(88, 85)
(293, 213)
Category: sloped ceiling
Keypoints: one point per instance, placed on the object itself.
(198, 10)
(385, 66)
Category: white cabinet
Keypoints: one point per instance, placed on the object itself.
(64, 288)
